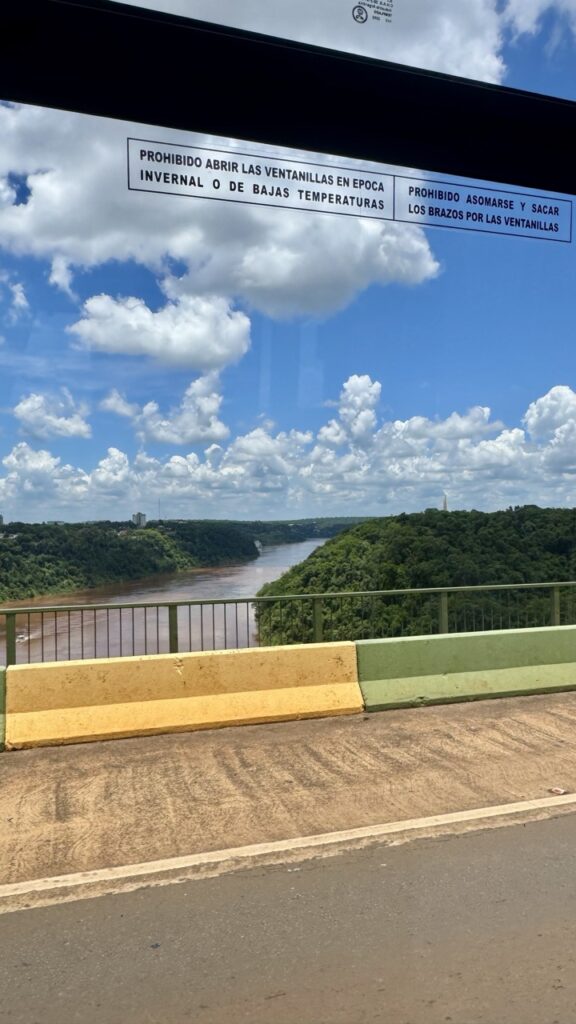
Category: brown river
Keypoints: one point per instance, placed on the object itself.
(47, 635)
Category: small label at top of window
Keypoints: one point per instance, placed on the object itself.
(368, 11)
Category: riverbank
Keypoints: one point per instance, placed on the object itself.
(46, 636)
(41, 559)
(239, 580)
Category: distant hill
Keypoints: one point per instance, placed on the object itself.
(283, 531)
(57, 558)
(429, 549)
(48, 558)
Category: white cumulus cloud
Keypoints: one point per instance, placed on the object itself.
(195, 420)
(52, 415)
(203, 333)
(398, 465)
(356, 413)
(474, 423)
(35, 477)
(549, 413)
(526, 15)
(113, 475)
(117, 403)
(284, 272)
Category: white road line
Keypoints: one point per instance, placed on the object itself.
(217, 857)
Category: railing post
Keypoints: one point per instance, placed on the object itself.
(317, 620)
(555, 606)
(173, 628)
(443, 612)
(10, 638)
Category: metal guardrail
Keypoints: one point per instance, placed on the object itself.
(65, 632)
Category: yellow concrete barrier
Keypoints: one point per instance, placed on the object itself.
(76, 701)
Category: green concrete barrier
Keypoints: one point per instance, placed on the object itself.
(2, 706)
(412, 671)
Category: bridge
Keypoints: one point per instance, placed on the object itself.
(77, 673)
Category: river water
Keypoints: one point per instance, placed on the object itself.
(46, 636)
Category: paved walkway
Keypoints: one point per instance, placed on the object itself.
(76, 808)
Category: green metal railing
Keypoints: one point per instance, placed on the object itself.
(65, 632)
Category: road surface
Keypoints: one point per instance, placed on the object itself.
(473, 929)
(473, 926)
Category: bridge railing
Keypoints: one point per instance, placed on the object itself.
(65, 632)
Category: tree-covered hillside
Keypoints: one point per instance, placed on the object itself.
(48, 558)
(284, 531)
(428, 549)
(45, 558)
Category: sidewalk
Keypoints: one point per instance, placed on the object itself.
(76, 808)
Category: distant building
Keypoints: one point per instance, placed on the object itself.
(139, 519)
(1, 519)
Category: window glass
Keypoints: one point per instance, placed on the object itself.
(524, 45)
(333, 338)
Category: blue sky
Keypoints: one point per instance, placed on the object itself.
(233, 361)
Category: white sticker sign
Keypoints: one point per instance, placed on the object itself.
(444, 204)
(264, 181)
(373, 10)
(232, 176)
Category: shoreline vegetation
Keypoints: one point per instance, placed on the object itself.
(37, 559)
(524, 544)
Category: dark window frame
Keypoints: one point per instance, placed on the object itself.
(163, 70)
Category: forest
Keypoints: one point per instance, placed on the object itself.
(426, 550)
(50, 558)
(420, 550)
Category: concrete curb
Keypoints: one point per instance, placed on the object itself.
(396, 702)
(2, 707)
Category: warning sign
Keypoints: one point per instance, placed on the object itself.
(238, 177)
(444, 204)
(264, 181)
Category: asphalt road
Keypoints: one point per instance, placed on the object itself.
(470, 929)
